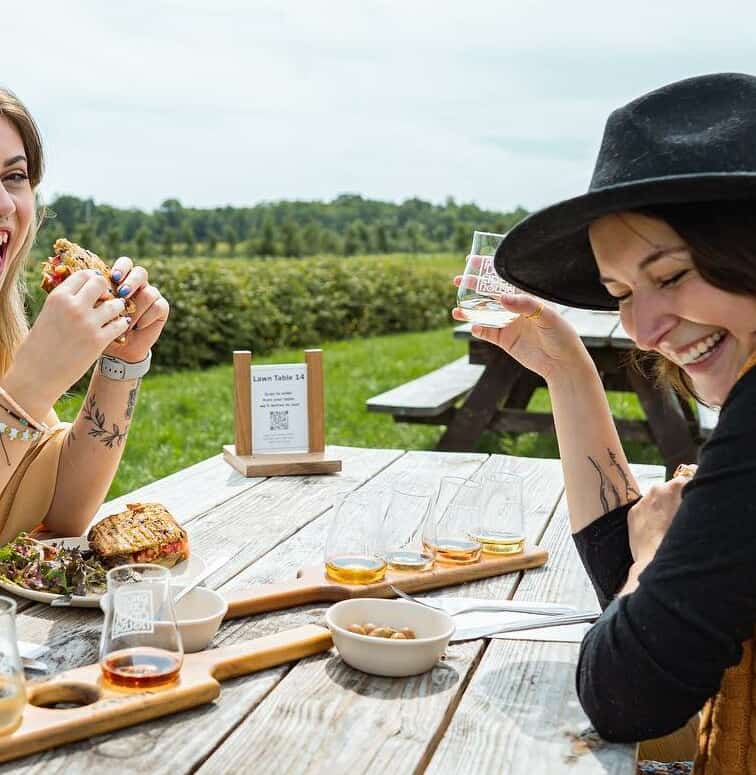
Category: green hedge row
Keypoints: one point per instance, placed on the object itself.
(218, 306)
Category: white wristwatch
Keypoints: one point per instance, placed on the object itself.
(115, 368)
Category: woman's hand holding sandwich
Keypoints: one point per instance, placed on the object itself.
(150, 316)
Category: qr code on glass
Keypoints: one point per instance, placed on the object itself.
(488, 280)
(279, 421)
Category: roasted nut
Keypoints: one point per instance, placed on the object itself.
(399, 636)
(356, 629)
(382, 632)
(368, 627)
(408, 633)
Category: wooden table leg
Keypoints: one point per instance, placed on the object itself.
(666, 420)
(481, 405)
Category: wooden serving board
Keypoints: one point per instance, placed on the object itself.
(114, 708)
(313, 586)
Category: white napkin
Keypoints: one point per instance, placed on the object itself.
(29, 650)
(565, 633)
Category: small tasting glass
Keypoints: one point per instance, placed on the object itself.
(480, 289)
(141, 645)
(455, 511)
(12, 688)
(355, 546)
(500, 527)
(405, 525)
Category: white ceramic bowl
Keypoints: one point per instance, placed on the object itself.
(198, 615)
(383, 656)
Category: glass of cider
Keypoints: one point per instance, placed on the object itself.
(405, 524)
(456, 510)
(500, 525)
(140, 646)
(355, 546)
(12, 689)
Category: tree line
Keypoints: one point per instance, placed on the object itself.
(347, 225)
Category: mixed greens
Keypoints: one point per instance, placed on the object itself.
(49, 567)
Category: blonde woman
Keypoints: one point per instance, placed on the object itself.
(50, 472)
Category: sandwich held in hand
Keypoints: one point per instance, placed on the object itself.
(68, 258)
(145, 532)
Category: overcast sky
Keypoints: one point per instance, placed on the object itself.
(500, 102)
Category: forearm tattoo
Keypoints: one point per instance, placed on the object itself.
(132, 399)
(607, 491)
(630, 491)
(99, 430)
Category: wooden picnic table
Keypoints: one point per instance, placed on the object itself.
(498, 706)
(495, 390)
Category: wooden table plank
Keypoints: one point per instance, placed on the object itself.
(594, 328)
(73, 635)
(374, 724)
(520, 714)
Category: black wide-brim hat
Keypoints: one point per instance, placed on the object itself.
(690, 141)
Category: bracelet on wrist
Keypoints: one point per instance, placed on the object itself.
(18, 412)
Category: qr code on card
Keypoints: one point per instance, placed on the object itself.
(488, 280)
(279, 421)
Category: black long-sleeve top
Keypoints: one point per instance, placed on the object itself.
(656, 655)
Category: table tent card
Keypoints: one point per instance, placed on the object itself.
(279, 418)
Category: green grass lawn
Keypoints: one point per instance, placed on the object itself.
(185, 417)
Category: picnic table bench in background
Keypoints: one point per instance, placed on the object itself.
(492, 706)
(489, 391)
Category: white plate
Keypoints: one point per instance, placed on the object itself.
(182, 573)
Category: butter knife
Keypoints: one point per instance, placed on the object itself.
(482, 631)
(33, 664)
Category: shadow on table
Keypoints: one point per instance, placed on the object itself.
(538, 697)
(442, 678)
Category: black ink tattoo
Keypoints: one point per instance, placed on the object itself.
(630, 491)
(108, 437)
(132, 399)
(606, 488)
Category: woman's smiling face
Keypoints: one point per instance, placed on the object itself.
(666, 306)
(16, 196)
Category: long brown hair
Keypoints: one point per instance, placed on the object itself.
(721, 237)
(13, 324)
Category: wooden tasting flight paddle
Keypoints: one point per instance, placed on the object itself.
(313, 586)
(112, 708)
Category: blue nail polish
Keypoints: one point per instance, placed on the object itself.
(116, 274)
(124, 290)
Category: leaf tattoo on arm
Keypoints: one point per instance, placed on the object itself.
(630, 491)
(606, 488)
(109, 438)
(131, 403)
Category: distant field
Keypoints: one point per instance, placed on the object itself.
(185, 417)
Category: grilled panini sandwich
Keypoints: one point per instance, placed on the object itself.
(68, 258)
(145, 532)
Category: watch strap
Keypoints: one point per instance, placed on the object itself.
(117, 369)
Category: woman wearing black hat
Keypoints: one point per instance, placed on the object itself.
(667, 234)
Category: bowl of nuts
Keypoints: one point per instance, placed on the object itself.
(389, 637)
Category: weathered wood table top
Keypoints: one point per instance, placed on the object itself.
(498, 706)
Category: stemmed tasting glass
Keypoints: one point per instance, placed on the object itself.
(405, 524)
(355, 546)
(141, 645)
(12, 688)
(480, 289)
(500, 527)
(456, 510)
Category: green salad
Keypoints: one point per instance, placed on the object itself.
(49, 567)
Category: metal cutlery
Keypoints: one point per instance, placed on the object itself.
(197, 579)
(62, 600)
(504, 606)
(33, 664)
(483, 631)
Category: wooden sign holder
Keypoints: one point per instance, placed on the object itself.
(241, 455)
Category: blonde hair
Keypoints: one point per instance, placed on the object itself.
(13, 323)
